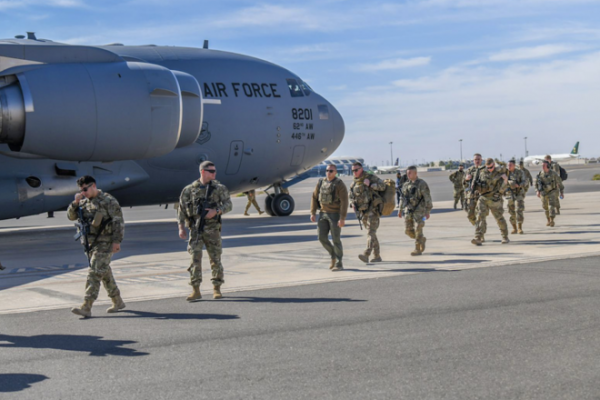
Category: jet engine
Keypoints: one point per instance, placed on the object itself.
(107, 111)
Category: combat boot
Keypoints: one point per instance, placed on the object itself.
(217, 292)
(551, 223)
(246, 214)
(520, 228)
(333, 261)
(423, 240)
(417, 250)
(260, 212)
(118, 304)
(195, 294)
(376, 259)
(364, 257)
(476, 242)
(505, 239)
(514, 228)
(548, 223)
(338, 267)
(85, 310)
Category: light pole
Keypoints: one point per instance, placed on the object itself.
(392, 153)
(526, 152)
(460, 150)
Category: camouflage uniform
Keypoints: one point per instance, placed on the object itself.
(98, 211)
(251, 194)
(330, 198)
(490, 199)
(187, 214)
(516, 197)
(369, 204)
(551, 185)
(556, 168)
(458, 178)
(473, 195)
(417, 205)
(528, 178)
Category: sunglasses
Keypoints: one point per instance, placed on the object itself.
(354, 170)
(210, 171)
(84, 188)
(331, 171)
(492, 167)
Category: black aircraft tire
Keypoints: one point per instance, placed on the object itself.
(268, 205)
(283, 205)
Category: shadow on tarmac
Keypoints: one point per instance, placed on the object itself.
(558, 242)
(282, 300)
(18, 382)
(170, 316)
(95, 345)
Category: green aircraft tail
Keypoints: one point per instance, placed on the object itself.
(575, 149)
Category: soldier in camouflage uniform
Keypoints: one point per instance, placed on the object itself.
(218, 203)
(251, 194)
(548, 186)
(416, 208)
(472, 187)
(515, 194)
(103, 214)
(367, 204)
(330, 198)
(527, 176)
(554, 166)
(458, 178)
(492, 183)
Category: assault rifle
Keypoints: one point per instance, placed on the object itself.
(202, 209)
(539, 185)
(406, 201)
(359, 214)
(83, 230)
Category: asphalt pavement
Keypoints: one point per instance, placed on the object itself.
(514, 332)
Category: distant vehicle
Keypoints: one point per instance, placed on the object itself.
(388, 169)
(555, 157)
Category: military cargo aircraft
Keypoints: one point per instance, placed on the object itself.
(140, 119)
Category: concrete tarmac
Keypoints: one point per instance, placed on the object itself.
(497, 321)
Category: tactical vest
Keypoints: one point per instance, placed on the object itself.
(412, 195)
(513, 176)
(95, 213)
(361, 194)
(198, 196)
(549, 181)
(327, 191)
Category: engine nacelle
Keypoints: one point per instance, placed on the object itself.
(99, 111)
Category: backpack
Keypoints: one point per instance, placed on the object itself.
(563, 173)
(389, 197)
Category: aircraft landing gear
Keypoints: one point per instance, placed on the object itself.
(279, 204)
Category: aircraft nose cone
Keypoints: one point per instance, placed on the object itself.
(339, 128)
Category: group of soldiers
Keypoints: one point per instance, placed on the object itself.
(203, 202)
(482, 188)
(331, 199)
(101, 228)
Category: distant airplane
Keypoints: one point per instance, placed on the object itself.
(555, 157)
(388, 169)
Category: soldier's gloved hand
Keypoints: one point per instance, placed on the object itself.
(341, 223)
(313, 218)
(116, 247)
(366, 182)
(211, 213)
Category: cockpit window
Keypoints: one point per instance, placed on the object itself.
(305, 88)
(323, 111)
(295, 89)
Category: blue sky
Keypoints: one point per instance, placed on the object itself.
(421, 73)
